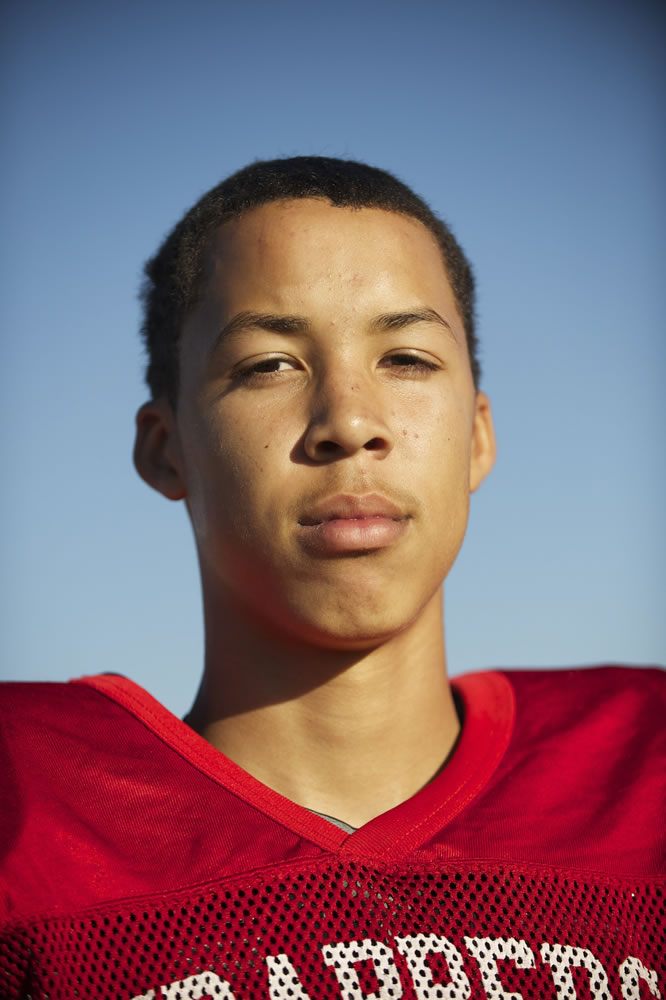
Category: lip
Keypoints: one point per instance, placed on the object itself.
(347, 506)
(348, 524)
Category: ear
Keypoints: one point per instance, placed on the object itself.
(482, 456)
(156, 449)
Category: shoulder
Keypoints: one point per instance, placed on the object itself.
(612, 694)
(594, 731)
(585, 766)
(76, 766)
(54, 697)
(48, 730)
(595, 677)
(40, 710)
(616, 709)
(587, 718)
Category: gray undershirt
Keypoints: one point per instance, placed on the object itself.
(336, 822)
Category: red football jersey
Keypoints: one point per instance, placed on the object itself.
(139, 862)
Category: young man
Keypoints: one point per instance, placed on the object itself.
(333, 818)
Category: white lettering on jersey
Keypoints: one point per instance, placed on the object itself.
(342, 957)
(206, 984)
(283, 982)
(562, 958)
(631, 970)
(417, 948)
(488, 951)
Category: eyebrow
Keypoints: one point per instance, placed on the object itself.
(399, 320)
(278, 323)
(264, 321)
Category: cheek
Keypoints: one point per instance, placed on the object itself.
(231, 466)
(440, 438)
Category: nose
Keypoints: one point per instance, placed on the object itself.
(346, 417)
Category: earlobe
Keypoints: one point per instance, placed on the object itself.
(482, 456)
(156, 450)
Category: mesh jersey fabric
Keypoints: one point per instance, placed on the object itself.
(139, 863)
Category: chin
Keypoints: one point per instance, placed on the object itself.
(338, 611)
(351, 630)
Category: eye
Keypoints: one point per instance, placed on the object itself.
(406, 363)
(264, 369)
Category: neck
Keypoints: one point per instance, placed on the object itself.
(348, 734)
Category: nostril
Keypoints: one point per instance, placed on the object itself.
(328, 447)
(374, 444)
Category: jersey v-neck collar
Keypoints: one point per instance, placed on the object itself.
(488, 707)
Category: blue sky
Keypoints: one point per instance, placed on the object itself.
(534, 129)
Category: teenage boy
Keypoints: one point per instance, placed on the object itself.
(333, 818)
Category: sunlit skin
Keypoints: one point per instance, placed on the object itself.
(326, 440)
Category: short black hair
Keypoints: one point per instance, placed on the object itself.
(175, 276)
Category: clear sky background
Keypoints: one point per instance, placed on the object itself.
(534, 128)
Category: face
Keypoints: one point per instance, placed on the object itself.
(328, 433)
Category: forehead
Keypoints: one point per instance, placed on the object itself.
(310, 245)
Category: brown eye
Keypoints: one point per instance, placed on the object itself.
(264, 369)
(414, 364)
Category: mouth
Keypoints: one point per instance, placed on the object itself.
(347, 507)
(350, 525)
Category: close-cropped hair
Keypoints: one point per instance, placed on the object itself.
(175, 277)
